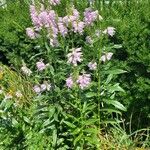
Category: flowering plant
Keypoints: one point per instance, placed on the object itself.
(72, 73)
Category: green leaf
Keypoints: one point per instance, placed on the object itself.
(117, 46)
(71, 125)
(78, 138)
(90, 121)
(90, 94)
(76, 131)
(91, 130)
(54, 138)
(115, 88)
(116, 104)
(115, 71)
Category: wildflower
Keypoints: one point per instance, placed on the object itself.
(84, 80)
(110, 31)
(18, 94)
(45, 86)
(41, 66)
(62, 29)
(37, 89)
(107, 56)
(54, 42)
(98, 33)
(92, 65)
(69, 82)
(34, 16)
(26, 70)
(89, 40)
(43, 18)
(75, 56)
(54, 2)
(75, 14)
(31, 33)
(78, 26)
(90, 16)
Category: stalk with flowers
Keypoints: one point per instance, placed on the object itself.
(73, 73)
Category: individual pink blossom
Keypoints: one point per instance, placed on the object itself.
(26, 70)
(90, 16)
(37, 89)
(78, 26)
(69, 82)
(62, 29)
(45, 86)
(75, 14)
(84, 80)
(41, 65)
(98, 33)
(30, 33)
(92, 65)
(107, 56)
(75, 56)
(89, 40)
(110, 31)
(54, 2)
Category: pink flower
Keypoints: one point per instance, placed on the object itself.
(30, 33)
(62, 29)
(45, 86)
(92, 65)
(26, 70)
(54, 2)
(54, 42)
(34, 16)
(37, 89)
(110, 31)
(43, 18)
(84, 80)
(89, 40)
(78, 26)
(75, 56)
(90, 16)
(69, 82)
(40, 65)
(107, 57)
(75, 14)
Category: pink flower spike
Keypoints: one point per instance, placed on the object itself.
(74, 56)
(30, 33)
(78, 27)
(92, 65)
(110, 31)
(69, 82)
(54, 2)
(90, 16)
(84, 80)
(106, 57)
(40, 65)
(26, 70)
(37, 89)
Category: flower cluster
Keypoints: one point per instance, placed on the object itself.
(75, 56)
(83, 81)
(41, 66)
(45, 86)
(55, 25)
(106, 56)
